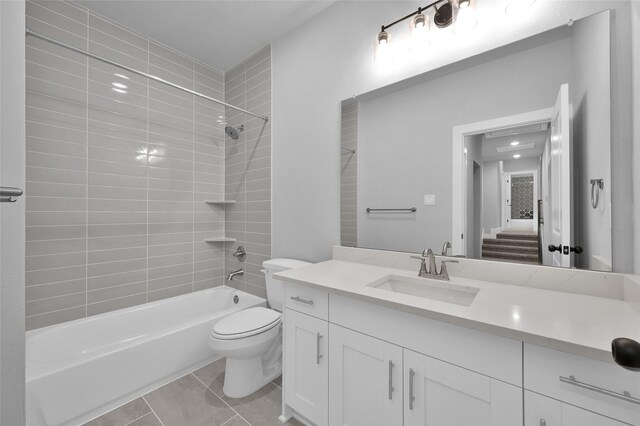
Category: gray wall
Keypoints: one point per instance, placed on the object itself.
(12, 96)
(115, 181)
(473, 237)
(635, 22)
(400, 162)
(349, 175)
(248, 171)
(591, 100)
(491, 196)
(307, 63)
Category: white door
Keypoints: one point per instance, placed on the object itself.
(442, 394)
(306, 378)
(542, 411)
(366, 380)
(561, 201)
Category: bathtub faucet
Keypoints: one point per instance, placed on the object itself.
(234, 273)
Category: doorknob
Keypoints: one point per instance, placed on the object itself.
(577, 249)
(553, 248)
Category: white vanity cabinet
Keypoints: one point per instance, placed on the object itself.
(579, 391)
(365, 375)
(306, 373)
(441, 394)
(543, 411)
(306, 352)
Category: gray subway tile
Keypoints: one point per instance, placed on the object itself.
(50, 318)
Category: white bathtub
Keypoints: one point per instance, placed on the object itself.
(81, 369)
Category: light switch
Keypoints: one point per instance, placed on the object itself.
(430, 200)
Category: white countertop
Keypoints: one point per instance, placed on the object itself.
(574, 323)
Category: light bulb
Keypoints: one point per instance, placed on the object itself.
(514, 143)
(465, 22)
(516, 155)
(383, 37)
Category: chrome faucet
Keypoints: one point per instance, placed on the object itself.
(233, 274)
(425, 271)
(447, 245)
(432, 270)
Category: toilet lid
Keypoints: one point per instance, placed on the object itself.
(246, 322)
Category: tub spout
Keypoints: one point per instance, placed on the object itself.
(234, 274)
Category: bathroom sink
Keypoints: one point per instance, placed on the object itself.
(427, 289)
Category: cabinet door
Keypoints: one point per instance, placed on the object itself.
(442, 394)
(540, 410)
(306, 376)
(366, 380)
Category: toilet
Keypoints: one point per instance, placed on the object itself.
(251, 339)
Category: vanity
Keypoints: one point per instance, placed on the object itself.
(368, 342)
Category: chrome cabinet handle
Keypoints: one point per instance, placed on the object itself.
(301, 300)
(318, 355)
(391, 388)
(412, 398)
(625, 396)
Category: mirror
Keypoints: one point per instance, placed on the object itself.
(505, 155)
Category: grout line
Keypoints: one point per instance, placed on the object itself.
(144, 415)
(152, 410)
(221, 398)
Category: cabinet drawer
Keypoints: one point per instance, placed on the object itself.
(307, 300)
(598, 386)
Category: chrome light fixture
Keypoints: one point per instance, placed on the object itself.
(383, 37)
(444, 15)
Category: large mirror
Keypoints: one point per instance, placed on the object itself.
(505, 155)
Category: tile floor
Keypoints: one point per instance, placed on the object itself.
(196, 399)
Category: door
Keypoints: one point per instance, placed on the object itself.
(542, 411)
(366, 380)
(561, 200)
(442, 394)
(306, 378)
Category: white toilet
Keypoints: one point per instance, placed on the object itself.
(251, 339)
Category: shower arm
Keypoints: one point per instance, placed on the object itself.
(30, 32)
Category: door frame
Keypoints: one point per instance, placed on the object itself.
(507, 211)
(459, 208)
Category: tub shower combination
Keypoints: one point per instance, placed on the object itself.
(81, 369)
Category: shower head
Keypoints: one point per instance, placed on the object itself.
(233, 132)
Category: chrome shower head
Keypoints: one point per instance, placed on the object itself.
(233, 132)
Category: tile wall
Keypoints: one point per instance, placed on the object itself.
(349, 176)
(248, 170)
(118, 167)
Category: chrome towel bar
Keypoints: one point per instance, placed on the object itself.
(8, 194)
(409, 210)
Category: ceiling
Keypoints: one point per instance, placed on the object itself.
(490, 145)
(219, 33)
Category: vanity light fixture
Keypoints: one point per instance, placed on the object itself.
(445, 12)
(383, 37)
(516, 155)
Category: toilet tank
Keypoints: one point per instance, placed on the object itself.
(275, 287)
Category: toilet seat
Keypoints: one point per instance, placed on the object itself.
(246, 323)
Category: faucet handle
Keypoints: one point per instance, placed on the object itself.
(444, 273)
(423, 265)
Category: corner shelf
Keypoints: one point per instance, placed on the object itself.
(219, 240)
(219, 201)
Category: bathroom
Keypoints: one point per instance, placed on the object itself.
(237, 213)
